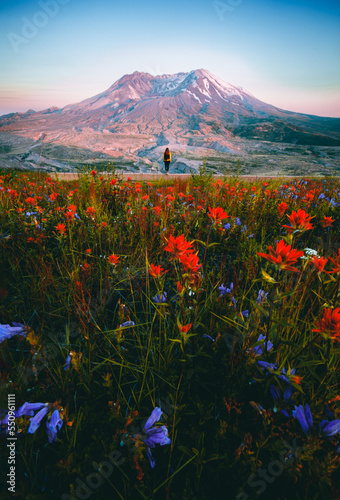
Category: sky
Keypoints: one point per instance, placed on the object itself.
(58, 52)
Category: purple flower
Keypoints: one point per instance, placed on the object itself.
(160, 298)
(223, 290)
(288, 393)
(266, 365)
(245, 313)
(304, 418)
(274, 392)
(258, 349)
(208, 337)
(285, 412)
(29, 409)
(156, 435)
(67, 362)
(150, 457)
(53, 426)
(237, 221)
(284, 377)
(127, 323)
(262, 295)
(7, 331)
(234, 302)
(329, 429)
(227, 226)
(35, 421)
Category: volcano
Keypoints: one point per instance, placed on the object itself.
(141, 112)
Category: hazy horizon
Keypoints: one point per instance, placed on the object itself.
(58, 52)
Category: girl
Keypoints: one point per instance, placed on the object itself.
(167, 160)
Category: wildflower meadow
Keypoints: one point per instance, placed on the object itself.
(170, 340)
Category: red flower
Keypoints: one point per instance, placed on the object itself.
(327, 222)
(217, 214)
(295, 379)
(30, 200)
(69, 214)
(281, 208)
(113, 259)
(61, 228)
(157, 210)
(190, 261)
(91, 211)
(177, 246)
(185, 328)
(113, 182)
(93, 173)
(156, 271)
(319, 264)
(283, 256)
(330, 324)
(88, 250)
(336, 262)
(299, 220)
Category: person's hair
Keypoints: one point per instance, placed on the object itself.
(167, 150)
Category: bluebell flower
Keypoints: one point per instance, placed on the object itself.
(274, 392)
(234, 301)
(227, 226)
(258, 349)
(223, 290)
(237, 221)
(53, 426)
(266, 365)
(329, 429)
(208, 337)
(288, 393)
(244, 228)
(251, 236)
(304, 417)
(245, 313)
(284, 377)
(160, 298)
(127, 323)
(321, 197)
(67, 362)
(262, 295)
(285, 412)
(150, 457)
(29, 409)
(35, 421)
(7, 331)
(155, 435)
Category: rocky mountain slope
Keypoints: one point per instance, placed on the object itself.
(139, 114)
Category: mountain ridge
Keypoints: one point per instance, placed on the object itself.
(140, 112)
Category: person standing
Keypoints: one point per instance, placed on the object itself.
(167, 160)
